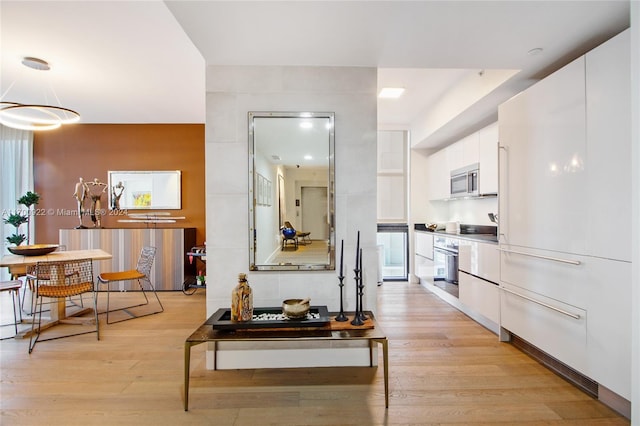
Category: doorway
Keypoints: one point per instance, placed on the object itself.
(393, 240)
(314, 212)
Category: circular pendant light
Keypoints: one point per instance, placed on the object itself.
(36, 116)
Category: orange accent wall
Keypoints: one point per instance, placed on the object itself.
(62, 156)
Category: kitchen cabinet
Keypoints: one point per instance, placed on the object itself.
(576, 308)
(424, 256)
(608, 136)
(557, 328)
(479, 266)
(543, 196)
(391, 152)
(565, 272)
(439, 176)
(479, 295)
(424, 244)
(463, 152)
(480, 259)
(488, 159)
(479, 148)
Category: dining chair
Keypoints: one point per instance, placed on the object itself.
(13, 287)
(51, 281)
(142, 275)
(30, 276)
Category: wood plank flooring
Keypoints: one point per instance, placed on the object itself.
(444, 369)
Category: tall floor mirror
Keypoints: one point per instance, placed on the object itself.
(291, 191)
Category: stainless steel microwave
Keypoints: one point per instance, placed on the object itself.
(464, 181)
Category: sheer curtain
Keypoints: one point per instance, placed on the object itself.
(16, 178)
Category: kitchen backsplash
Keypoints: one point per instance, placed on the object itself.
(464, 211)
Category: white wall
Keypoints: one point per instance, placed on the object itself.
(231, 93)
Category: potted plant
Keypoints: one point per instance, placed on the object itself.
(17, 218)
(29, 199)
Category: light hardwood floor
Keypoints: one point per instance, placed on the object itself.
(444, 369)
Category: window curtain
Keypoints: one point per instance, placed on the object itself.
(16, 171)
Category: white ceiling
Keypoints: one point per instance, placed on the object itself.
(144, 62)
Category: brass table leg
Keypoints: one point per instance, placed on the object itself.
(385, 358)
(187, 362)
(370, 353)
(385, 368)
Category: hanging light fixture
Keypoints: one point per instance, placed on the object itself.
(35, 116)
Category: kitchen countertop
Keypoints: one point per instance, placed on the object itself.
(483, 234)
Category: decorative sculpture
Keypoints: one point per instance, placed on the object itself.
(116, 193)
(96, 189)
(80, 194)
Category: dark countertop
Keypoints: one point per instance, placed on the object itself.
(486, 234)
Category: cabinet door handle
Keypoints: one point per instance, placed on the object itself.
(539, 256)
(569, 314)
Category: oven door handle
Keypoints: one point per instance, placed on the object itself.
(445, 251)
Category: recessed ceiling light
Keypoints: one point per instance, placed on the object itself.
(535, 51)
(391, 92)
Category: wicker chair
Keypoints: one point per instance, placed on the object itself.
(52, 281)
(140, 274)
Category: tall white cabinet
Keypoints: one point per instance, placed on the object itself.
(565, 216)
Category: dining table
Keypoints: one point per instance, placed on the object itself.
(58, 312)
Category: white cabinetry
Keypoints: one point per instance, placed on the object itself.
(480, 259)
(480, 148)
(481, 296)
(439, 176)
(392, 188)
(608, 135)
(565, 203)
(576, 308)
(424, 256)
(479, 265)
(463, 153)
(454, 158)
(543, 196)
(424, 244)
(488, 159)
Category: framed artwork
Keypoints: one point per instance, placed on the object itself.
(143, 190)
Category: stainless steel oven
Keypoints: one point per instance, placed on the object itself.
(445, 259)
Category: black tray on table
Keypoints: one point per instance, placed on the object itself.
(221, 319)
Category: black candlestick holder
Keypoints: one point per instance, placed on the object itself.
(357, 318)
(341, 316)
(363, 317)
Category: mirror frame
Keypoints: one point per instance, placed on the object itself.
(330, 264)
(168, 183)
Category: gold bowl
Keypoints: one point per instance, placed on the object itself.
(33, 249)
(295, 308)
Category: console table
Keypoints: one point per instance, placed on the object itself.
(205, 333)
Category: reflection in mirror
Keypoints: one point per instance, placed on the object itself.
(291, 199)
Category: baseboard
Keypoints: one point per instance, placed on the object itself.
(582, 382)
